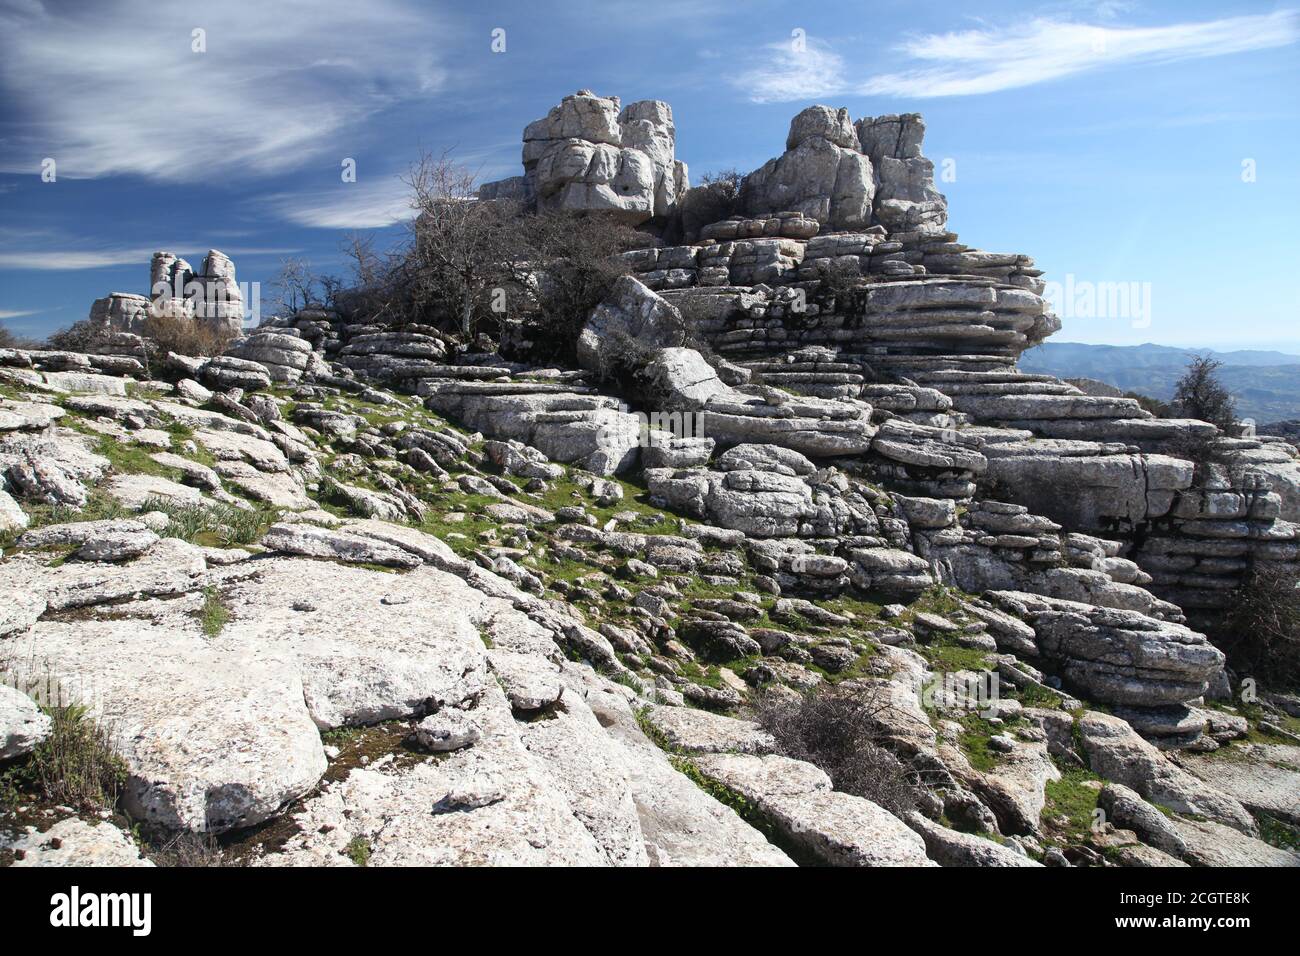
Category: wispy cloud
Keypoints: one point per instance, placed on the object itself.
(972, 62)
(70, 259)
(373, 203)
(17, 314)
(794, 72)
(116, 87)
(369, 204)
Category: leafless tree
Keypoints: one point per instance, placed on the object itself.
(562, 265)
(293, 287)
(458, 243)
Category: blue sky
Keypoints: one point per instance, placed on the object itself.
(1107, 139)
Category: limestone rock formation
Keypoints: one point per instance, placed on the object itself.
(823, 173)
(906, 199)
(590, 155)
(210, 296)
(410, 601)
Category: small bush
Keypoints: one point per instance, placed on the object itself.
(358, 851)
(837, 731)
(1201, 451)
(76, 765)
(715, 198)
(840, 285)
(1261, 633)
(79, 337)
(214, 614)
(1199, 394)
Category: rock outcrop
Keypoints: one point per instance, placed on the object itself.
(590, 154)
(823, 174)
(209, 296)
(427, 605)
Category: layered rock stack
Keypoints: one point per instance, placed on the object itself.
(927, 345)
(589, 154)
(210, 296)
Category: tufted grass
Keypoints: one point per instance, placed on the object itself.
(76, 765)
(221, 524)
(214, 614)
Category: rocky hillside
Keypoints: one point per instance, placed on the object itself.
(853, 590)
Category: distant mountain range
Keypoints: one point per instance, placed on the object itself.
(1266, 384)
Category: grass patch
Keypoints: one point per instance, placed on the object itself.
(974, 742)
(128, 458)
(142, 392)
(940, 599)
(1284, 836)
(947, 656)
(216, 525)
(99, 506)
(214, 615)
(358, 851)
(1033, 695)
(1072, 799)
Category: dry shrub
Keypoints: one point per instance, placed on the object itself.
(186, 336)
(76, 765)
(715, 198)
(189, 850)
(566, 264)
(837, 731)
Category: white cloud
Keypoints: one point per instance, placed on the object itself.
(369, 204)
(114, 87)
(794, 73)
(13, 314)
(986, 61)
(971, 62)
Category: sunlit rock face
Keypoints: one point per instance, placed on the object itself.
(589, 154)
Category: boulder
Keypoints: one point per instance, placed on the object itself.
(74, 842)
(1116, 752)
(631, 318)
(832, 828)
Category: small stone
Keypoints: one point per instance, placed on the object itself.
(449, 729)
